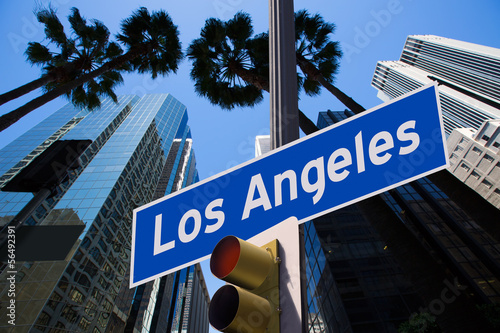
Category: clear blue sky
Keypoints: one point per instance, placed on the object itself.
(368, 31)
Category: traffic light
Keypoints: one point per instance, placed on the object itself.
(250, 304)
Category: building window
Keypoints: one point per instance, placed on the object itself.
(76, 296)
(103, 319)
(485, 138)
(43, 321)
(103, 283)
(465, 167)
(63, 284)
(86, 243)
(475, 174)
(54, 300)
(103, 245)
(496, 144)
(97, 295)
(90, 309)
(477, 150)
(69, 313)
(488, 158)
(487, 184)
(96, 254)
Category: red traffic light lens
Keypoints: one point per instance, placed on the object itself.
(225, 256)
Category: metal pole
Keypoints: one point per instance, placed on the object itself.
(285, 129)
(282, 73)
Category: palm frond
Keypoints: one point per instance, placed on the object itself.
(77, 22)
(223, 62)
(38, 54)
(154, 38)
(313, 43)
(239, 29)
(311, 87)
(54, 30)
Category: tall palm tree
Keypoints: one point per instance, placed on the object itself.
(318, 57)
(89, 46)
(222, 68)
(230, 68)
(153, 46)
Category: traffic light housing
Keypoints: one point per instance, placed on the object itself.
(251, 302)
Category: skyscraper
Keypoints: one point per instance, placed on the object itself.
(469, 89)
(410, 250)
(140, 149)
(468, 76)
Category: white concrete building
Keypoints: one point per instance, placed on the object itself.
(475, 159)
(468, 75)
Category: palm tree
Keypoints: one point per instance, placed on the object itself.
(222, 68)
(75, 55)
(317, 56)
(229, 68)
(153, 46)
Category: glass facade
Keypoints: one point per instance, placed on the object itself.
(354, 282)
(471, 251)
(141, 149)
(372, 266)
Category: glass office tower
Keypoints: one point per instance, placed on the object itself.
(373, 265)
(140, 149)
(468, 76)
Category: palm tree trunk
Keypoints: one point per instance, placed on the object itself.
(24, 89)
(316, 75)
(10, 118)
(343, 98)
(306, 124)
(55, 74)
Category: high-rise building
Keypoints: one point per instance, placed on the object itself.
(262, 145)
(376, 264)
(475, 159)
(140, 149)
(409, 250)
(353, 283)
(468, 76)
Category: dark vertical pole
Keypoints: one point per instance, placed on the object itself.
(284, 105)
(282, 73)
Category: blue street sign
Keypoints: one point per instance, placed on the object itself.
(380, 149)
